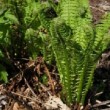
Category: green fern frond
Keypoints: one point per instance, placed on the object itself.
(31, 14)
(88, 79)
(86, 75)
(102, 29)
(85, 10)
(61, 55)
(106, 41)
(45, 22)
(46, 14)
(69, 11)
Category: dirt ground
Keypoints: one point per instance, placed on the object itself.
(98, 8)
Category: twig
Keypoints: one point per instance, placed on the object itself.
(98, 9)
(45, 89)
(10, 107)
(49, 76)
(105, 109)
(35, 100)
(101, 103)
(29, 87)
(9, 94)
(32, 91)
(98, 93)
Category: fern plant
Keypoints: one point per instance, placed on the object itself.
(76, 43)
(30, 26)
(21, 35)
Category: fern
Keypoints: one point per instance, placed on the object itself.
(66, 12)
(69, 31)
(74, 42)
(102, 33)
(59, 31)
(21, 34)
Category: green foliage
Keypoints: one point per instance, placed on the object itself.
(29, 28)
(102, 39)
(76, 45)
(21, 34)
(3, 74)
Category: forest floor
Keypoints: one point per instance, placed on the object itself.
(31, 89)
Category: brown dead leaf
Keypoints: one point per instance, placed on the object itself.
(15, 106)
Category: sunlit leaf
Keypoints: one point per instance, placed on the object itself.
(3, 74)
(11, 18)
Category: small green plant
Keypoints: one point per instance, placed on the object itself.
(3, 74)
(21, 34)
(30, 27)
